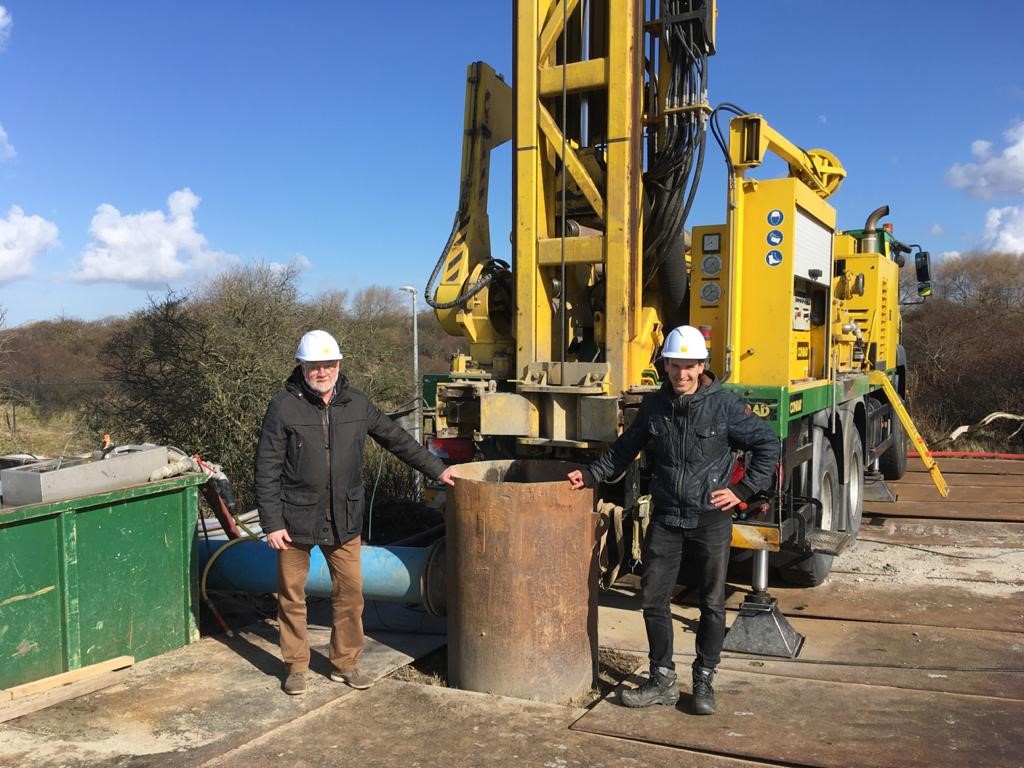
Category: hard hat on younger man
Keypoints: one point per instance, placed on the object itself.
(685, 343)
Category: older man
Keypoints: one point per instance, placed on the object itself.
(694, 427)
(309, 491)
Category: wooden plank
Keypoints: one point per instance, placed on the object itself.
(26, 704)
(66, 678)
(960, 494)
(896, 604)
(996, 511)
(982, 466)
(973, 661)
(924, 532)
(960, 478)
(827, 724)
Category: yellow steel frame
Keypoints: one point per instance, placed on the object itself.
(541, 149)
(487, 124)
(816, 174)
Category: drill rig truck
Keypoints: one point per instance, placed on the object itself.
(608, 116)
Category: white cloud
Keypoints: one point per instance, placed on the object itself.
(6, 149)
(823, 119)
(299, 262)
(1004, 229)
(980, 148)
(5, 27)
(935, 230)
(22, 238)
(149, 249)
(992, 174)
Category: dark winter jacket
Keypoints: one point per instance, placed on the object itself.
(693, 439)
(294, 490)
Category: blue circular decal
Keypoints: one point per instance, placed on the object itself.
(774, 237)
(773, 258)
(775, 217)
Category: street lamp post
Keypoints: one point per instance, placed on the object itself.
(418, 426)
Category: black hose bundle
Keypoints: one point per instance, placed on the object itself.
(676, 156)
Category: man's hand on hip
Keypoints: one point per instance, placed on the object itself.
(724, 498)
(279, 540)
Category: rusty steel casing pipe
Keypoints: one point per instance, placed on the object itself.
(522, 568)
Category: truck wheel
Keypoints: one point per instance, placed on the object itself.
(812, 569)
(893, 461)
(854, 488)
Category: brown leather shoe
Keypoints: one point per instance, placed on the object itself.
(295, 683)
(354, 678)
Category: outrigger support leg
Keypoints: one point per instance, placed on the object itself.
(760, 627)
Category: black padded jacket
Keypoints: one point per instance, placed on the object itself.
(693, 441)
(300, 434)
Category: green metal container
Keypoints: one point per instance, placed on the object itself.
(93, 578)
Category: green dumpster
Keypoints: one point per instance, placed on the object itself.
(96, 577)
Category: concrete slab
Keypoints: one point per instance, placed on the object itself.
(403, 724)
(829, 725)
(189, 705)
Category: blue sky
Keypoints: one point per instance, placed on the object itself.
(147, 145)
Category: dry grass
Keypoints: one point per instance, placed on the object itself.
(23, 431)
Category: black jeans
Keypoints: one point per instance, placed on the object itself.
(706, 549)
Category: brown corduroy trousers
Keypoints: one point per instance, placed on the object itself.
(346, 604)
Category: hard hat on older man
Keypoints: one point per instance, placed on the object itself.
(317, 346)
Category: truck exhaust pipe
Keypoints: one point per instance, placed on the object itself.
(869, 238)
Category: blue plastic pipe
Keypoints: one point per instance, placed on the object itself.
(392, 574)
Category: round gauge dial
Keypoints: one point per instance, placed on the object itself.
(710, 293)
(711, 265)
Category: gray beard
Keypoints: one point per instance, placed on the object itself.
(323, 389)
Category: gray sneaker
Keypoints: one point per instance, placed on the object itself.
(660, 688)
(354, 678)
(295, 683)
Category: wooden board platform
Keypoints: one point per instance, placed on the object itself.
(925, 532)
(828, 724)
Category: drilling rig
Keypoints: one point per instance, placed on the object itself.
(608, 115)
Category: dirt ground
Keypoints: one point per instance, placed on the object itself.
(987, 570)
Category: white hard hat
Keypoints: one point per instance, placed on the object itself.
(685, 343)
(317, 346)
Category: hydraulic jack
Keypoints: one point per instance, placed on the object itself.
(760, 627)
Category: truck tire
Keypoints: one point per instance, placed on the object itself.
(853, 490)
(812, 569)
(893, 461)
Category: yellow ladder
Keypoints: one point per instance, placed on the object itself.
(879, 377)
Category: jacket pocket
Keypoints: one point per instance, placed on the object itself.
(712, 439)
(299, 509)
(664, 438)
(354, 509)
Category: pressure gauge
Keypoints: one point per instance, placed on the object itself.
(710, 293)
(711, 265)
(711, 243)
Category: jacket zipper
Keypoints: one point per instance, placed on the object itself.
(682, 458)
(325, 421)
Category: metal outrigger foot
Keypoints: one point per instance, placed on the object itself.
(876, 489)
(760, 627)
